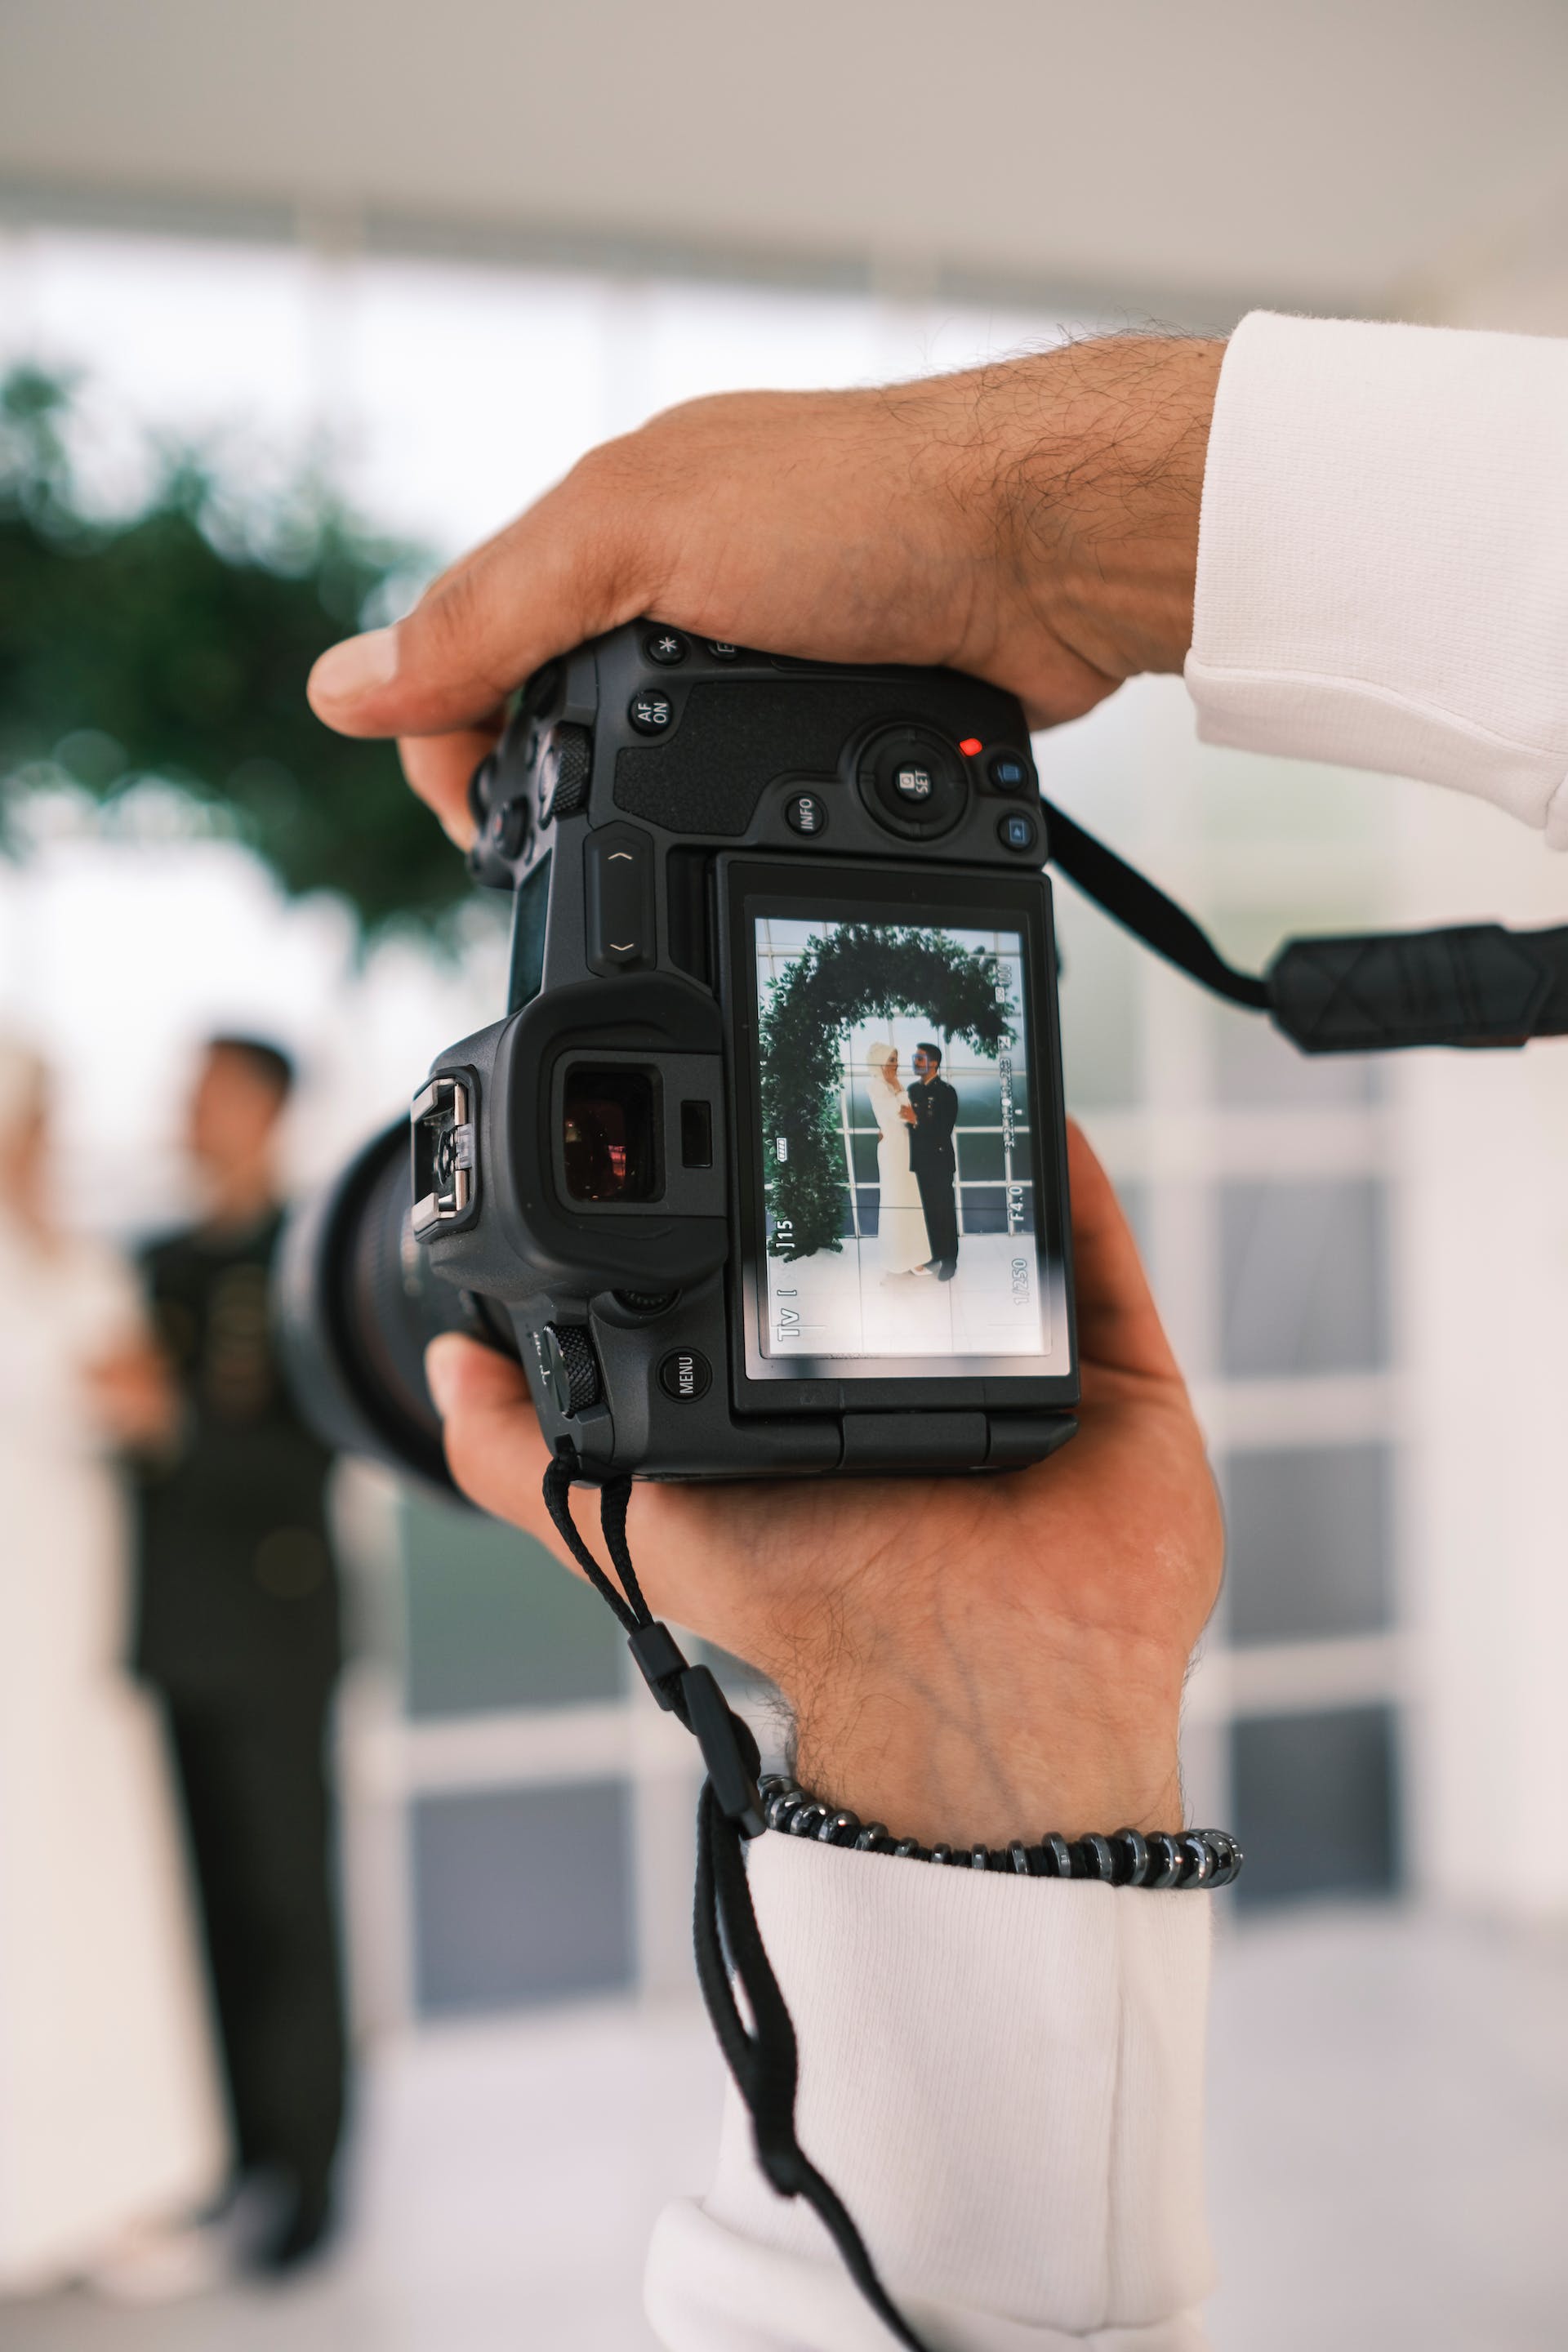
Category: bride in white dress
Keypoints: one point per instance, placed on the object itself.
(111, 2122)
(902, 1247)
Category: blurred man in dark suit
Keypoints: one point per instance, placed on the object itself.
(934, 1158)
(238, 1626)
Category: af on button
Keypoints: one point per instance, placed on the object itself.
(650, 713)
(684, 1374)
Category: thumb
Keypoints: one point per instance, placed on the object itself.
(565, 570)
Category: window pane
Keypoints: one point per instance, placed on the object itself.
(1302, 1274)
(521, 1895)
(983, 1209)
(1313, 1800)
(1309, 1543)
(980, 1157)
(1101, 1056)
(494, 1621)
(1255, 1067)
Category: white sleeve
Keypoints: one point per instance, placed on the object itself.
(1383, 557)
(1003, 2078)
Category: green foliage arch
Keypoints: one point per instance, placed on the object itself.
(854, 972)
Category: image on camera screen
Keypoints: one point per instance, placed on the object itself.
(902, 1225)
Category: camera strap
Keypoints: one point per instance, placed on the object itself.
(1473, 984)
(763, 2057)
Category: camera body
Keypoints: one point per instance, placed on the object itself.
(722, 1242)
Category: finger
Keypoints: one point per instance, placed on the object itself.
(565, 570)
(438, 767)
(1118, 1322)
(494, 1449)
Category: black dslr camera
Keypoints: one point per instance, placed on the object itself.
(764, 1171)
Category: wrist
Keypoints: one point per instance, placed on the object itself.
(1100, 491)
(930, 1771)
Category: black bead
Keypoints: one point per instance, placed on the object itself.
(1056, 1850)
(1098, 1858)
(1136, 1850)
(1197, 1861)
(838, 1827)
(1164, 1861)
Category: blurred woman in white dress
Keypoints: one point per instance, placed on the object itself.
(902, 1247)
(111, 2123)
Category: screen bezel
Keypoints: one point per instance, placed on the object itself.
(968, 898)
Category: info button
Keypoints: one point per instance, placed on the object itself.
(806, 812)
(685, 1374)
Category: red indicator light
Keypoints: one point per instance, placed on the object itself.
(970, 745)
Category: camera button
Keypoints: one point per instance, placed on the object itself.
(806, 812)
(913, 781)
(1007, 771)
(666, 646)
(1017, 831)
(619, 889)
(650, 713)
(684, 1374)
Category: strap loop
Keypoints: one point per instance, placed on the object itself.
(763, 2058)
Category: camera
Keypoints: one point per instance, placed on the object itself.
(763, 1171)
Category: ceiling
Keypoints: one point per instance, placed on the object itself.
(1182, 159)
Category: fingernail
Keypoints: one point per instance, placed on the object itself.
(443, 1370)
(358, 667)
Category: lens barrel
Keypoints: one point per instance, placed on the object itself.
(355, 1305)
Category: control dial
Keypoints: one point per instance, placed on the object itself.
(913, 781)
(571, 1368)
(565, 767)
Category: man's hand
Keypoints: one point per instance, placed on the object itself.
(966, 1658)
(133, 1395)
(1034, 522)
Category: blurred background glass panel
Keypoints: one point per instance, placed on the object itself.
(1302, 1277)
(1256, 1068)
(1314, 1804)
(521, 1896)
(1308, 1550)
(1101, 1035)
(491, 1621)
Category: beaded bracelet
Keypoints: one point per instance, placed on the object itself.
(1185, 1858)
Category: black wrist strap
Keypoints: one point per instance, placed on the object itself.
(1474, 984)
(764, 2058)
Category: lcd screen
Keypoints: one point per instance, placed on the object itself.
(906, 1223)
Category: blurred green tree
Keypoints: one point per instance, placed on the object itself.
(176, 644)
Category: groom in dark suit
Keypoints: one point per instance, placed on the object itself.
(934, 1159)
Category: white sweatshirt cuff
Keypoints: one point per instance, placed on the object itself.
(1004, 2080)
(1382, 557)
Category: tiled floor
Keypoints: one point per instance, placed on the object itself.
(1389, 2128)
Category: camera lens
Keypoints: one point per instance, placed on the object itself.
(608, 1127)
(356, 1301)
